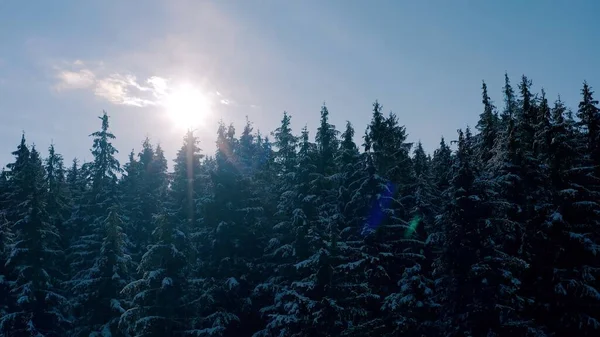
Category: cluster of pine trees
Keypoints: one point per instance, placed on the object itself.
(285, 236)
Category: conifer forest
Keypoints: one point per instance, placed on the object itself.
(291, 233)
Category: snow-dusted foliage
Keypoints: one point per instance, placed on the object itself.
(98, 288)
(312, 236)
(36, 305)
(158, 304)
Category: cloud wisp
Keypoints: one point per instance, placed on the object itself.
(120, 89)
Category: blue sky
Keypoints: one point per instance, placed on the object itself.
(63, 62)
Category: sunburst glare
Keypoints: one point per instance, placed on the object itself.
(187, 106)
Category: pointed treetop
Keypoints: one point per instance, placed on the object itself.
(104, 119)
(348, 134)
(558, 112)
(419, 159)
(509, 99)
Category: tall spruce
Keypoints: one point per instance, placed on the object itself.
(488, 127)
(589, 123)
(566, 292)
(58, 202)
(480, 281)
(38, 307)
(99, 272)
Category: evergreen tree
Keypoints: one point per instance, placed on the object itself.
(510, 103)
(159, 304)
(542, 137)
(77, 183)
(39, 307)
(526, 118)
(130, 194)
(289, 315)
(93, 265)
(58, 203)
(285, 142)
(381, 209)
(154, 181)
(487, 126)
(589, 116)
(186, 183)
(479, 281)
(13, 195)
(441, 166)
(6, 239)
(233, 238)
(566, 265)
(104, 281)
(412, 308)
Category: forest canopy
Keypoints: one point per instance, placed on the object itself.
(287, 234)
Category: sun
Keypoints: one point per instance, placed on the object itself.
(187, 106)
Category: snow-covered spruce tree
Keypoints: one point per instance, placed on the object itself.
(289, 315)
(104, 281)
(159, 302)
(329, 316)
(543, 136)
(58, 203)
(38, 307)
(304, 298)
(566, 264)
(90, 264)
(479, 284)
(412, 308)
(143, 189)
(6, 239)
(284, 166)
(186, 184)
(279, 256)
(487, 125)
(230, 271)
(286, 143)
(362, 271)
(13, 195)
(381, 209)
(397, 164)
(425, 194)
(441, 169)
(349, 241)
(526, 115)
(510, 103)
(589, 123)
(77, 183)
(508, 177)
(129, 186)
(256, 209)
(3, 190)
(351, 172)
(533, 176)
(265, 171)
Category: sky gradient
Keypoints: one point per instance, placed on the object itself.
(63, 62)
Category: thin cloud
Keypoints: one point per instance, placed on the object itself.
(81, 79)
(120, 89)
(124, 90)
